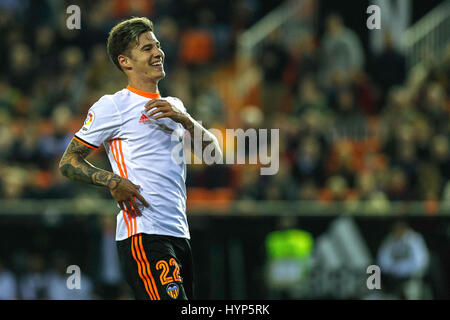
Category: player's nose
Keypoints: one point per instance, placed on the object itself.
(159, 54)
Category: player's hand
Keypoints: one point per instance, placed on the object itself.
(125, 193)
(164, 109)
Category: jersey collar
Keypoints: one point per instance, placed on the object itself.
(146, 94)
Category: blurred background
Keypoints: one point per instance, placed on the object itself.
(364, 146)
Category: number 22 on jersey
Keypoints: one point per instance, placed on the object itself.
(164, 276)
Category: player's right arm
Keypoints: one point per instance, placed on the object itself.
(74, 166)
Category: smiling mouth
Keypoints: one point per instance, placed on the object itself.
(157, 65)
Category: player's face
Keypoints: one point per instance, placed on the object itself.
(148, 57)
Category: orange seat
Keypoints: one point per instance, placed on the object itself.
(201, 198)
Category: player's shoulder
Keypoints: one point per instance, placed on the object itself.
(176, 101)
(172, 98)
(110, 100)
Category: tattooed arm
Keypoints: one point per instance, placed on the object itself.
(74, 166)
(198, 134)
(195, 130)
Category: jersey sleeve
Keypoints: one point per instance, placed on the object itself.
(176, 102)
(102, 123)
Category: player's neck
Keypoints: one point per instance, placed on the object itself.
(149, 86)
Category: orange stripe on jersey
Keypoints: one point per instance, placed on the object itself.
(123, 160)
(148, 266)
(116, 146)
(115, 156)
(150, 292)
(133, 218)
(85, 143)
(151, 95)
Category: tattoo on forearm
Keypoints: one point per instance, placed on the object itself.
(114, 182)
(74, 166)
(190, 128)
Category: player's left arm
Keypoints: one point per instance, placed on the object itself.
(163, 109)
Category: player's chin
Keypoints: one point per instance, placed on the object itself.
(160, 74)
(155, 75)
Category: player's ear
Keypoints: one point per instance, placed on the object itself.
(124, 62)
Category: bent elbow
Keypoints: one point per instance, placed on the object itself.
(62, 167)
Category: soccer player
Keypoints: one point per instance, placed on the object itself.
(139, 130)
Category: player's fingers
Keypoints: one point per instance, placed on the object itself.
(159, 109)
(149, 104)
(137, 187)
(156, 104)
(121, 205)
(163, 115)
(136, 209)
(141, 199)
(155, 110)
(129, 208)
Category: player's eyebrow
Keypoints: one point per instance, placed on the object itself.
(150, 45)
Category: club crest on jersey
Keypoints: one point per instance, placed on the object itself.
(173, 290)
(89, 120)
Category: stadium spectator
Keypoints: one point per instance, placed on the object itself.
(21, 66)
(57, 281)
(33, 284)
(304, 60)
(110, 280)
(342, 54)
(282, 186)
(310, 98)
(273, 60)
(403, 258)
(8, 284)
(388, 69)
(308, 163)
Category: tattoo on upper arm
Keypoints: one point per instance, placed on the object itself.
(77, 148)
(74, 166)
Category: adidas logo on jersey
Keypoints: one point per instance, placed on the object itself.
(144, 118)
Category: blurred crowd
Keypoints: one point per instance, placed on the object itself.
(353, 125)
(40, 269)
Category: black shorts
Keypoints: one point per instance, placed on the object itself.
(157, 267)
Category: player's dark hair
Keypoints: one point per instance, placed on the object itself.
(125, 35)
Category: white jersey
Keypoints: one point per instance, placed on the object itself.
(139, 148)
